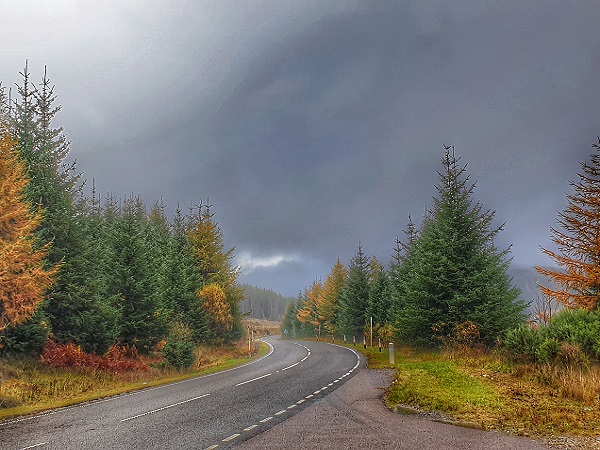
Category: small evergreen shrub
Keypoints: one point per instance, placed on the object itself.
(522, 343)
(179, 348)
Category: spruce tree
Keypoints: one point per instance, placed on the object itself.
(354, 298)
(454, 272)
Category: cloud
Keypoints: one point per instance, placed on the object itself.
(249, 263)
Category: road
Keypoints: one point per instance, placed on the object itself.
(222, 409)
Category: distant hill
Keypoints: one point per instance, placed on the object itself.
(526, 278)
(263, 303)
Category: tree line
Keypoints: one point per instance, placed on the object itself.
(447, 281)
(97, 270)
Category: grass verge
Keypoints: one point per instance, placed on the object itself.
(484, 389)
(27, 387)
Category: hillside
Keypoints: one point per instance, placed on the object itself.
(260, 303)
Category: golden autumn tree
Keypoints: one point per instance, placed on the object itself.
(577, 282)
(23, 277)
(308, 314)
(329, 303)
(215, 304)
(216, 268)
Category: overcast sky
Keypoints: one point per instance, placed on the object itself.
(313, 125)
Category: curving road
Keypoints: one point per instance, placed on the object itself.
(218, 410)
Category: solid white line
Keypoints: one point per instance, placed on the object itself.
(251, 427)
(254, 379)
(34, 446)
(283, 411)
(266, 419)
(231, 438)
(165, 407)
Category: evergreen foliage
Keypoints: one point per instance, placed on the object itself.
(453, 272)
(354, 298)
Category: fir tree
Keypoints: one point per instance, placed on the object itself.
(454, 273)
(354, 299)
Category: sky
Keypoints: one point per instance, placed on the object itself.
(314, 126)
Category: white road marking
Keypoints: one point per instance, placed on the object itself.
(316, 392)
(300, 401)
(231, 438)
(266, 419)
(289, 367)
(304, 359)
(309, 396)
(254, 379)
(291, 406)
(212, 447)
(251, 427)
(165, 407)
(34, 446)
(278, 413)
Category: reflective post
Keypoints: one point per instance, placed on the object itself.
(391, 349)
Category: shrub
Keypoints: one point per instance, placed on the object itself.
(548, 350)
(179, 349)
(522, 343)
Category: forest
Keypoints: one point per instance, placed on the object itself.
(100, 272)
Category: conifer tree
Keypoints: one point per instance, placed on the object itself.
(354, 299)
(454, 272)
(577, 284)
(215, 266)
(328, 307)
(23, 277)
(307, 313)
(379, 304)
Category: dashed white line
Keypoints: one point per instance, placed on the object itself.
(165, 407)
(251, 427)
(266, 419)
(254, 379)
(289, 367)
(278, 413)
(34, 446)
(309, 396)
(291, 406)
(300, 401)
(212, 447)
(231, 438)
(316, 392)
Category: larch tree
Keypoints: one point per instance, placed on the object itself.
(23, 275)
(308, 314)
(328, 307)
(577, 282)
(216, 267)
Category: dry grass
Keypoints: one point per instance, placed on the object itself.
(27, 387)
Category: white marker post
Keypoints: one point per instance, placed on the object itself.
(391, 349)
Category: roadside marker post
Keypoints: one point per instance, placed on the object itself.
(391, 349)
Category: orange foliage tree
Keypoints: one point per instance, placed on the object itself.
(308, 312)
(577, 285)
(23, 277)
(329, 303)
(215, 304)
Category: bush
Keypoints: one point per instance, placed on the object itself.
(179, 349)
(548, 350)
(523, 343)
(27, 338)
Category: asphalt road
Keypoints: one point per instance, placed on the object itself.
(221, 409)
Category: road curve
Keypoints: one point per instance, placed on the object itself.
(218, 410)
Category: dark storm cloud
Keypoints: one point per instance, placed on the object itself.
(315, 125)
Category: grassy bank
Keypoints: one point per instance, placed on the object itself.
(28, 387)
(486, 390)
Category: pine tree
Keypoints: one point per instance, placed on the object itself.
(454, 272)
(23, 277)
(379, 304)
(578, 284)
(354, 298)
